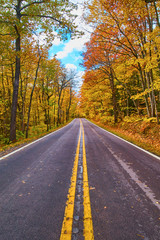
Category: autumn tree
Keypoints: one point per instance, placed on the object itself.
(125, 39)
(40, 83)
(21, 18)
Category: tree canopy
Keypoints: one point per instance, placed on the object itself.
(19, 20)
(123, 51)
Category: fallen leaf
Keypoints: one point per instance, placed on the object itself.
(140, 235)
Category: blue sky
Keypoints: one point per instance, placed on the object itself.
(69, 52)
(72, 58)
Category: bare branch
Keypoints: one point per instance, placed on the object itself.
(30, 4)
(42, 16)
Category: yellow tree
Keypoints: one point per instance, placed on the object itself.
(24, 17)
(129, 27)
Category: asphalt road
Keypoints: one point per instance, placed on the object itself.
(120, 182)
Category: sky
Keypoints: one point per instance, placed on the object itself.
(70, 52)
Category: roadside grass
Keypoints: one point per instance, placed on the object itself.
(143, 133)
(34, 134)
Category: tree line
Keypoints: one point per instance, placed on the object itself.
(33, 88)
(122, 60)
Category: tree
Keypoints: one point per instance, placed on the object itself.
(126, 33)
(31, 95)
(24, 17)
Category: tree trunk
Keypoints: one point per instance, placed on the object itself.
(54, 114)
(156, 11)
(30, 103)
(59, 107)
(150, 96)
(127, 107)
(68, 109)
(143, 87)
(15, 93)
(114, 100)
(153, 96)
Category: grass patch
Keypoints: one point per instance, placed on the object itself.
(34, 134)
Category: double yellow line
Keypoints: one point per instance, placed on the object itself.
(66, 232)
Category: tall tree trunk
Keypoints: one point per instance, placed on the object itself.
(30, 103)
(48, 115)
(143, 87)
(150, 96)
(15, 92)
(68, 109)
(128, 92)
(54, 114)
(156, 11)
(153, 96)
(46, 119)
(114, 100)
(23, 105)
(59, 107)
(16, 79)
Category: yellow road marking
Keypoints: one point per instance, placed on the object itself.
(88, 224)
(66, 232)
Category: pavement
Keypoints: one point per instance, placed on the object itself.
(80, 182)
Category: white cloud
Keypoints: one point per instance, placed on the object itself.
(79, 78)
(80, 74)
(56, 41)
(40, 38)
(71, 66)
(77, 43)
(73, 44)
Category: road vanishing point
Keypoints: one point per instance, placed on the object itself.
(80, 183)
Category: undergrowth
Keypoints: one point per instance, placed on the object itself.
(34, 133)
(144, 133)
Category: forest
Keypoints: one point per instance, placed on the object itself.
(36, 93)
(122, 61)
(121, 81)
(121, 84)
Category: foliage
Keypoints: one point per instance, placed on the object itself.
(19, 20)
(54, 100)
(123, 54)
(29, 82)
(145, 135)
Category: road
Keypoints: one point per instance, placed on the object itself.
(80, 182)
